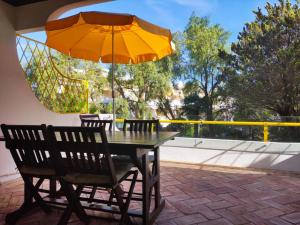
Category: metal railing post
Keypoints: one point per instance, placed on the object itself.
(87, 96)
(266, 133)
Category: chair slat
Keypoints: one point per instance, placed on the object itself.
(107, 124)
(85, 152)
(27, 144)
(141, 125)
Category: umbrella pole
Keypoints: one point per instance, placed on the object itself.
(113, 77)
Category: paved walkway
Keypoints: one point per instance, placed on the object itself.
(200, 195)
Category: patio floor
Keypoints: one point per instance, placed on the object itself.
(200, 195)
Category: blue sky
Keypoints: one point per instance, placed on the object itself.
(174, 14)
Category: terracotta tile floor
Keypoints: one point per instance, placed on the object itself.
(200, 195)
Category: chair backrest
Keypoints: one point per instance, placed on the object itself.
(141, 125)
(28, 145)
(107, 124)
(82, 149)
(89, 117)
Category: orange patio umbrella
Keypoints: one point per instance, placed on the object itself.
(109, 38)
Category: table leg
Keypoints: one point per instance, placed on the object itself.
(52, 188)
(157, 175)
(146, 189)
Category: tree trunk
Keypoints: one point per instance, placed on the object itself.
(210, 117)
(196, 130)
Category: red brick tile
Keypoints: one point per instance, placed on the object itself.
(190, 219)
(269, 213)
(284, 208)
(279, 221)
(165, 223)
(240, 209)
(184, 207)
(233, 218)
(197, 201)
(207, 212)
(255, 219)
(286, 199)
(230, 198)
(196, 195)
(175, 198)
(216, 222)
(219, 205)
(293, 217)
(222, 190)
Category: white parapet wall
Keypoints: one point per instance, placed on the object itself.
(233, 153)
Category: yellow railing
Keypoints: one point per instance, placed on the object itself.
(57, 92)
(264, 125)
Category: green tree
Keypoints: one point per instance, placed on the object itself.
(122, 108)
(88, 71)
(203, 43)
(204, 66)
(139, 85)
(264, 66)
(54, 91)
(172, 68)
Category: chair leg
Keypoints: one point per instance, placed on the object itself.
(65, 217)
(68, 211)
(28, 204)
(130, 192)
(74, 203)
(92, 195)
(111, 197)
(119, 198)
(124, 207)
(36, 195)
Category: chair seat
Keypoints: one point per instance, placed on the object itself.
(34, 171)
(98, 179)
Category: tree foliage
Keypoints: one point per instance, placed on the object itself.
(85, 70)
(264, 66)
(173, 68)
(204, 66)
(139, 85)
(55, 91)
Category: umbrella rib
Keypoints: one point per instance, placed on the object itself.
(143, 40)
(159, 36)
(126, 46)
(101, 49)
(64, 30)
(80, 39)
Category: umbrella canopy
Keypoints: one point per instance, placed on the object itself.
(109, 38)
(88, 35)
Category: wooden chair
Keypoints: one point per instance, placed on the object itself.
(29, 149)
(141, 125)
(107, 124)
(89, 117)
(134, 125)
(78, 151)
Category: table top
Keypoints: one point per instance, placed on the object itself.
(136, 139)
(139, 139)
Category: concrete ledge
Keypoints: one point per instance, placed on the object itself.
(233, 153)
(9, 177)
